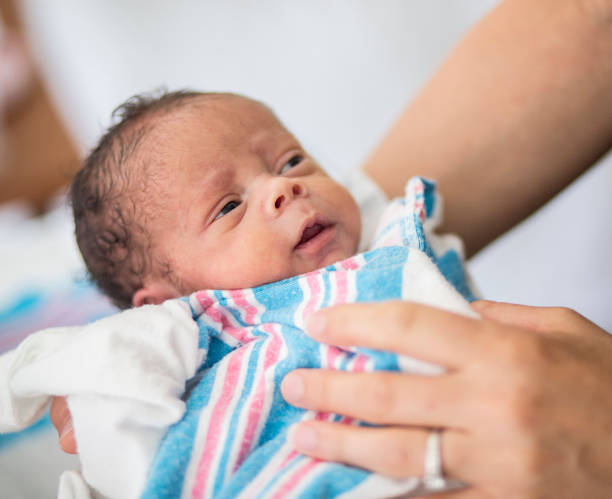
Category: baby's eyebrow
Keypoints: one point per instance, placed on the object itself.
(259, 143)
(267, 141)
(209, 189)
(219, 176)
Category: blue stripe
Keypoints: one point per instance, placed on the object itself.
(335, 480)
(430, 197)
(287, 470)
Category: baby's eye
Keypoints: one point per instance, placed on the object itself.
(294, 161)
(227, 208)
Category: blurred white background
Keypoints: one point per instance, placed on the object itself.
(338, 73)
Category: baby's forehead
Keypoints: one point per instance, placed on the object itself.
(208, 129)
(224, 113)
(211, 125)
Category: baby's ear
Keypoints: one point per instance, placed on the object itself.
(154, 293)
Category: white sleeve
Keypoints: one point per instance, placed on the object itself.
(123, 375)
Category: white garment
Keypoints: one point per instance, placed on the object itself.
(109, 388)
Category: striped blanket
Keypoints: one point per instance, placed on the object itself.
(143, 431)
(232, 441)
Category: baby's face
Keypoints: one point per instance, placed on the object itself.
(238, 202)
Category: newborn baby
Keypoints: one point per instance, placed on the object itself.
(209, 198)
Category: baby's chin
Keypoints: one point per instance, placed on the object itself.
(305, 268)
(331, 259)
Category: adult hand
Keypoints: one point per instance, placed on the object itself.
(61, 419)
(525, 404)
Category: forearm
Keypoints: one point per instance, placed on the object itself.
(520, 109)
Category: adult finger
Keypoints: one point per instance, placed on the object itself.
(394, 451)
(465, 493)
(412, 329)
(543, 319)
(380, 397)
(62, 420)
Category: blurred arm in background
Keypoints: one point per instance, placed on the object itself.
(517, 112)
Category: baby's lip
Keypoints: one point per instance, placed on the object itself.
(311, 230)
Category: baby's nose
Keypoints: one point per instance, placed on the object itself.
(282, 192)
(295, 191)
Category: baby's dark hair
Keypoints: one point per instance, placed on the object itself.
(109, 224)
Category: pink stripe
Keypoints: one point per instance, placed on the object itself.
(286, 461)
(315, 289)
(360, 363)
(255, 410)
(419, 206)
(332, 356)
(219, 314)
(204, 300)
(323, 416)
(211, 308)
(350, 264)
(212, 443)
(341, 287)
(295, 478)
(250, 311)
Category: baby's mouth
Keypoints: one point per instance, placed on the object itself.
(314, 233)
(310, 232)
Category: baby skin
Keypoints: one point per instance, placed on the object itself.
(234, 201)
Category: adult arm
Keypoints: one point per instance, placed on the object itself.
(525, 405)
(520, 109)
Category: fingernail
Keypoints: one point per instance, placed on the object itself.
(302, 437)
(292, 387)
(315, 325)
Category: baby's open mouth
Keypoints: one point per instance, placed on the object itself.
(314, 231)
(310, 232)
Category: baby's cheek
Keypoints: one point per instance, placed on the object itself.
(261, 265)
(353, 221)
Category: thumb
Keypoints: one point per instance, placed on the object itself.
(541, 319)
(536, 318)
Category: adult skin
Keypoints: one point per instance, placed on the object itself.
(517, 112)
(525, 405)
(520, 108)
